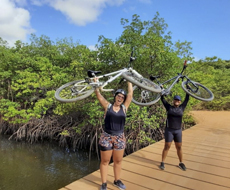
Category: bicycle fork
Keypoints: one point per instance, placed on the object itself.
(189, 87)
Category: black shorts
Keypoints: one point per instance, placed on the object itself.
(173, 134)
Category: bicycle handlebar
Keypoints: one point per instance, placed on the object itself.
(185, 62)
(185, 65)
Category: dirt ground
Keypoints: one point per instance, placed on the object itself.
(218, 122)
(219, 118)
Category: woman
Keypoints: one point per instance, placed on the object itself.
(112, 140)
(173, 129)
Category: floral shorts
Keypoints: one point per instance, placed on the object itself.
(112, 142)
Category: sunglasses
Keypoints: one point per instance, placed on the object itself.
(122, 97)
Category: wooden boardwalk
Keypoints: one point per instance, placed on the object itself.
(206, 150)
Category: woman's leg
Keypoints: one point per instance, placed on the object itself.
(179, 151)
(105, 159)
(165, 150)
(118, 153)
(180, 155)
(117, 160)
(105, 144)
(168, 141)
(178, 143)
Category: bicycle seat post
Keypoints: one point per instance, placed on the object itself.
(95, 79)
(131, 59)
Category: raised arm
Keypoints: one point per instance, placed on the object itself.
(185, 102)
(101, 99)
(165, 103)
(129, 95)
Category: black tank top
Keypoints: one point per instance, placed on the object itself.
(114, 122)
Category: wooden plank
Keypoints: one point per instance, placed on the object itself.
(173, 170)
(206, 153)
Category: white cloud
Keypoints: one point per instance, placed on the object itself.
(20, 2)
(15, 18)
(92, 47)
(14, 21)
(81, 12)
(196, 58)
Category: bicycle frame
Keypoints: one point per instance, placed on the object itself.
(176, 79)
(167, 91)
(112, 78)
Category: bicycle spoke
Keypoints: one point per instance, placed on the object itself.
(197, 90)
(144, 97)
(73, 91)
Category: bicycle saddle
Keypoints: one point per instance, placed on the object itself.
(154, 77)
(93, 73)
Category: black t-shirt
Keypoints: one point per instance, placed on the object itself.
(174, 114)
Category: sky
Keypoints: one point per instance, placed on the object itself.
(205, 23)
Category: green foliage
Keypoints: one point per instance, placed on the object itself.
(12, 113)
(155, 52)
(64, 133)
(94, 113)
(30, 74)
(141, 126)
(213, 73)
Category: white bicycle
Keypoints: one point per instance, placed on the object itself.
(81, 89)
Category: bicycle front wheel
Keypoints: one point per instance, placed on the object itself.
(141, 82)
(73, 91)
(197, 90)
(144, 97)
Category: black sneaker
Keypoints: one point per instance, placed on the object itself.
(162, 166)
(104, 186)
(119, 184)
(182, 166)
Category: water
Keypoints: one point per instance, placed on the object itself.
(41, 166)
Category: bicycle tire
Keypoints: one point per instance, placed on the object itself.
(143, 83)
(65, 92)
(197, 91)
(144, 97)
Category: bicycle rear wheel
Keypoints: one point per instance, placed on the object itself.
(73, 91)
(144, 97)
(197, 90)
(141, 82)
